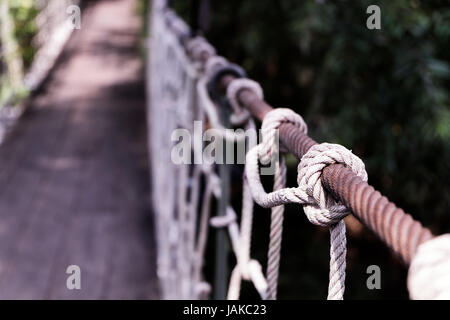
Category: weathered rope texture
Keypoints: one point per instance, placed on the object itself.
(320, 208)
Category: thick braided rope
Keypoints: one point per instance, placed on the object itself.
(323, 209)
(320, 208)
(276, 232)
(270, 148)
(429, 272)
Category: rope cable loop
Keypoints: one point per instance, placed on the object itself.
(319, 206)
(217, 74)
(213, 63)
(198, 46)
(269, 130)
(241, 115)
(208, 95)
(267, 149)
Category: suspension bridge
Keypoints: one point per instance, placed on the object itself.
(87, 176)
(74, 172)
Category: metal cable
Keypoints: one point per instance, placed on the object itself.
(397, 229)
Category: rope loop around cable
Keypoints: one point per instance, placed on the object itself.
(320, 207)
(269, 130)
(218, 73)
(268, 149)
(198, 46)
(213, 63)
(241, 115)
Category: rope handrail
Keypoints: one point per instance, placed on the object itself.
(187, 78)
(397, 229)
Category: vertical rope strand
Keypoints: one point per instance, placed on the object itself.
(276, 233)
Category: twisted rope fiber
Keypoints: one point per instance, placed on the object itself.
(320, 207)
(270, 150)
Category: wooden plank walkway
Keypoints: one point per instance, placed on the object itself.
(74, 175)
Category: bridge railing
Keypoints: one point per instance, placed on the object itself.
(54, 27)
(187, 83)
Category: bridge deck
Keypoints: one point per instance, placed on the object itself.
(73, 172)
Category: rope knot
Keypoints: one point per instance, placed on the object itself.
(428, 275)
(320, 207)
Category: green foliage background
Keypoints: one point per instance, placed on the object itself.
(382, 93)
(22, 14)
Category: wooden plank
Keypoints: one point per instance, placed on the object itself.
(87, 244)
(32, 253)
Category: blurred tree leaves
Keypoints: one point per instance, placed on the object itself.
(19, 28)
(23, 13)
